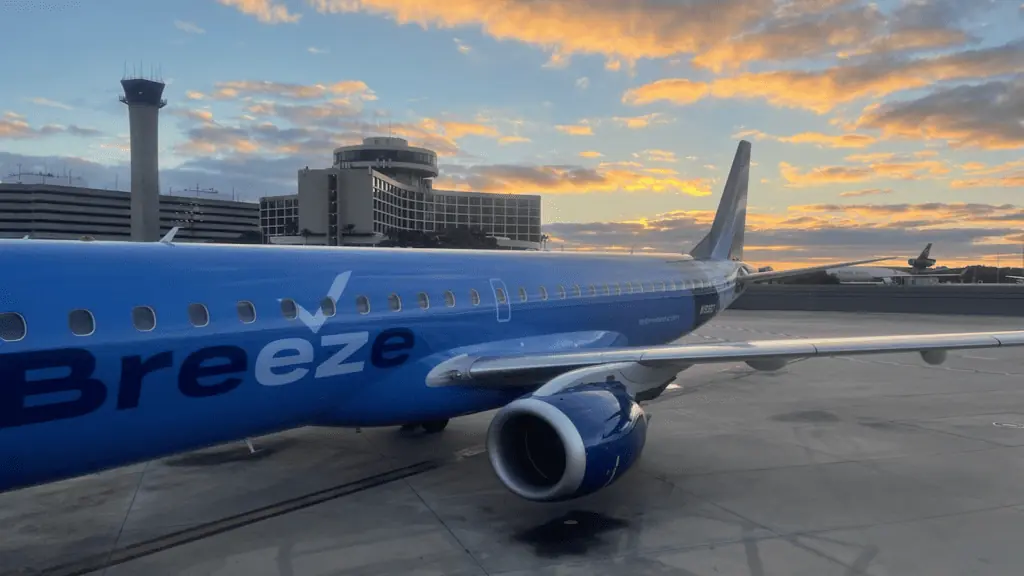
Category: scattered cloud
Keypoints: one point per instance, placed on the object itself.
(989, 116)
(800, 234)
(265, 11)
(193, 95)
(575, 129)
(188, 27)
(637, 122)
(583, 83)
(462, 46)
(866, 192)
(315, 50)
(50, 103)
(872, 167)
(513, 140)
(658, 155)
(591, 154)
(14, 126)
(566, 179)
(241, 89)
(822, 140)
(822, 91)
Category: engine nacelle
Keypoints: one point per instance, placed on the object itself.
(568, 444)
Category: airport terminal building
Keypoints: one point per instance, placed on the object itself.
(383, 185)
(46, 210)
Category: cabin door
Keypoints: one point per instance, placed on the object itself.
(501, 300)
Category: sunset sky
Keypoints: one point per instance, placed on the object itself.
(876, 126)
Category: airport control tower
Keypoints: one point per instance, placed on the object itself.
(144, 99)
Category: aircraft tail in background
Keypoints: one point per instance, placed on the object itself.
(725, 240)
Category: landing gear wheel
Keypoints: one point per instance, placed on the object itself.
(435, 426)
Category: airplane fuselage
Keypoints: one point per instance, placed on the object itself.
(244, 343)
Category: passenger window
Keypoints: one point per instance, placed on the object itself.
(543, 293)
(288, 309)
(607, 290)
(449, 299)
(143, 318)
(671, 284)
(576, 290)
(522, 295)
(198, 315)
(423, 300)
(12, 327)
(362, 304)
(640, 287)
(561, 292)
(618, 289)
(329, 306)
(661, 286)
(501, 296)
(474, 297)
(394, 302)
(629, 287)
(81, 322)
(246, 312)
(591, 291)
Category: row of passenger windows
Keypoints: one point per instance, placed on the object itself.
(81, 322)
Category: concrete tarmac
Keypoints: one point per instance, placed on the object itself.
(877, 465)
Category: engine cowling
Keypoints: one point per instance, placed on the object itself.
(566, 445)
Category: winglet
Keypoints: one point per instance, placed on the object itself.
(725, 240)
(169, 237)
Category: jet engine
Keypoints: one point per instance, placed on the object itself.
(567, 444)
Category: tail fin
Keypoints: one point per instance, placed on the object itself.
(725, 240)
(924, 253)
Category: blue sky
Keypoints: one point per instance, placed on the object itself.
(875, 126)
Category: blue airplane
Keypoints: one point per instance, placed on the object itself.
(116, 352)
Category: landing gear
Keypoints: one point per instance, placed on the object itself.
(432, 427)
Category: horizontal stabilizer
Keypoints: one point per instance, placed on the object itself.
(775, 275)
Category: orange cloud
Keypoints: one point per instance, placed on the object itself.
(621, 30)
(821, 91)
(878, 166)
(575, 129)
(13, 126)
(607, 177)
(988, 116)
(246, 88)
(591, 154)
(868, 192)
(637, 122)
(513, 140)
(264, 10)
(826, 140)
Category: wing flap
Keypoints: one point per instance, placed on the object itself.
(512, 369)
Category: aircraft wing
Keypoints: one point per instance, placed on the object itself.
(774, 275)
(520, 370)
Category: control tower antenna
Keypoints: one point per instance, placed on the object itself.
(144, 98)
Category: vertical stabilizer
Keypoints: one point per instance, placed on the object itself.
(725, 240)
(926, 252)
